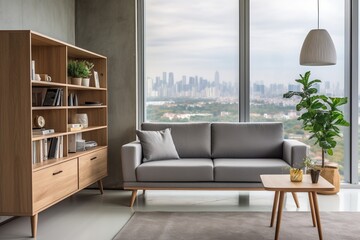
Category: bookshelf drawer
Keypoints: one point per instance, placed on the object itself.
(92, 167)
(54, 183)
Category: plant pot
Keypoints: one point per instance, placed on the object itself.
(76, 81)
(296, 175)
(314, 175)
(331, 173)
(85, 82)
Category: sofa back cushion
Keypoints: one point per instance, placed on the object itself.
(247, 140)
(192, 140)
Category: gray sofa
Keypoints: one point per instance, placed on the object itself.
(213, 156)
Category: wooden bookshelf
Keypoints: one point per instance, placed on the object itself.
(30, 184)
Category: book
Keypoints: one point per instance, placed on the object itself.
(42, 131)
(61, 146)
(51, 97)
(52, 149)
(45, 149)
(95, 103)
(75, 127)
(59, 98)
(33, 70)
(38, 95)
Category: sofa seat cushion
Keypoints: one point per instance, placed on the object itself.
(180, 170)
(247, 169)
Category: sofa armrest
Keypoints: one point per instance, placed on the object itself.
(131, 156)
(294, 152)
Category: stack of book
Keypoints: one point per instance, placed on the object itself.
(42, 131)
(48, 148)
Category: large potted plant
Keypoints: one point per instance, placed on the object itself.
(321, 117)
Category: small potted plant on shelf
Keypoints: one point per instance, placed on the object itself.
(321, 117)
(80, 71)
(86, 73)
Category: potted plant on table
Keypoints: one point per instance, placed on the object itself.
(321, 117)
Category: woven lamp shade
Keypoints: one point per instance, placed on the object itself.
(318, 49)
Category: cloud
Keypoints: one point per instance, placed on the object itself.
(190, 37)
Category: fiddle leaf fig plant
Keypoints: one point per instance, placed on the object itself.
(321, 115)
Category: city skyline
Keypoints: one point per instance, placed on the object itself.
(169, 84)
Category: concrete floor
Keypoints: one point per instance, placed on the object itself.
(88, 215)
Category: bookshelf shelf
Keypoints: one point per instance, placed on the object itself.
(85, 107)
(91, 128)
(52, 135)
(47, 84)
(78, 87)
(48, 108)
(37, 183)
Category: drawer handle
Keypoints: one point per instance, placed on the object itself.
(56, 173)
(93, 158)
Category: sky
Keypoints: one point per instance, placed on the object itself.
(190, 37)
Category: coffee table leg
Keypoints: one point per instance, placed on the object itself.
(296, 199)
(316, 207)
(311, 202)
(278, 220)
(276, 200)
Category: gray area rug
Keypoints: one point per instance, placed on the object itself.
(238, 225)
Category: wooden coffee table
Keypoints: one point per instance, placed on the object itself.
(281, 184)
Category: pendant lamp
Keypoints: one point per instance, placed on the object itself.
(318, 48)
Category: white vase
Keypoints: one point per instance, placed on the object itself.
(81, 118)
(86, 82)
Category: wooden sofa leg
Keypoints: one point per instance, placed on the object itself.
(133, 197)
(296, 199)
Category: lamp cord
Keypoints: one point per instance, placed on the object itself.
(318, 7)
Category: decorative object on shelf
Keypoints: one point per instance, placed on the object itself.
(37, 77)
(90, 144)
(96, 79)
(78, 70)
(318, 48)
(81, 118)
(296, 175)
(320, 116)
(45, 77)
(39, 121)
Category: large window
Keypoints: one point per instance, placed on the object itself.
(191, 51)
(277, 31)
(192, 69)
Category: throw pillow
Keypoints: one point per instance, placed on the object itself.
(157, 145)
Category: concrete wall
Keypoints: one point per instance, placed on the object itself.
(54, 18)
(108, 27)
